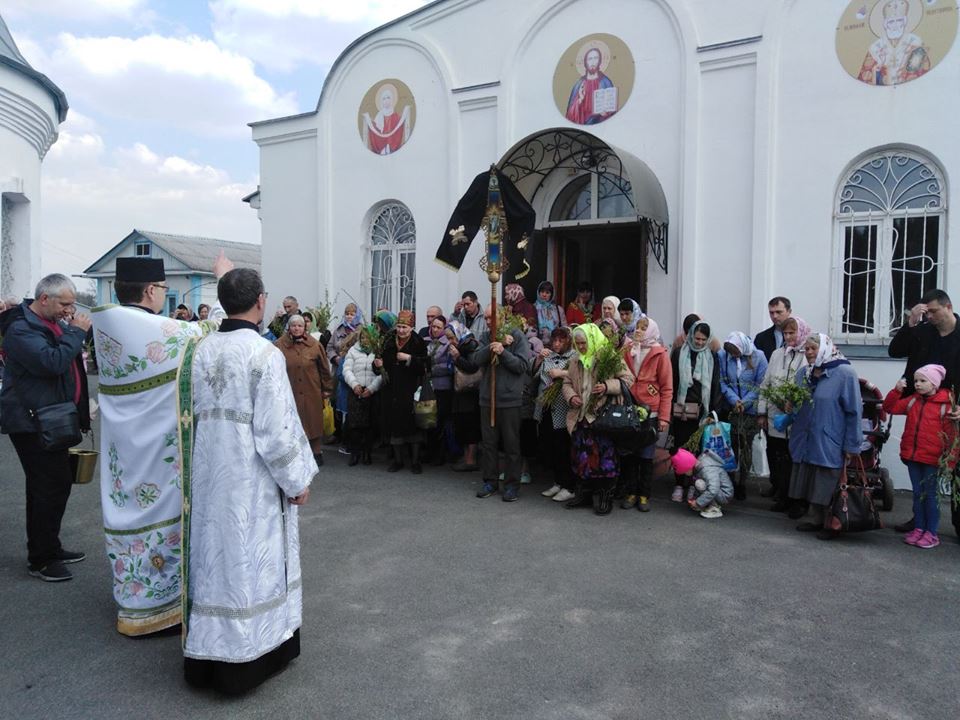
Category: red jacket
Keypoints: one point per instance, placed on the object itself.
(927, 431)
(654, 380)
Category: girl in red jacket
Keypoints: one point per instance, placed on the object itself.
(925, 436)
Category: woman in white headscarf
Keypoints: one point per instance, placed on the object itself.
(826, 432)
(742, 367)
(696, 385)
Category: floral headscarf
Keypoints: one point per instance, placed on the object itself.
(357, 317)
(595, 340)
(828, 355)
(513, 293)
(405, 317)
(803, 331)
(548, 315)
(460, 331)
(635, 317)
(651, 336)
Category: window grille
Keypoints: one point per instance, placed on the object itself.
(890, 228)
(393, 249)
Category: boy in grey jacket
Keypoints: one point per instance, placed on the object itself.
(512, 371)
(713, 485)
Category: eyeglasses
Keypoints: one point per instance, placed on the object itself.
(160, 285)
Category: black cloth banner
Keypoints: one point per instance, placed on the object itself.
(468, 215)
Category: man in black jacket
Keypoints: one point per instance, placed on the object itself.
(44, 366)
(772, 338)
(930, 336)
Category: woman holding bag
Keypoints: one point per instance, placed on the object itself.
(596, 463)
(696, 383)
(826, 432)
(310, 379)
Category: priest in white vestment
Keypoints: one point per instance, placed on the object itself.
(247, 465)
(138, 352)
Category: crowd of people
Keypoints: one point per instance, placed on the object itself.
(515, 397)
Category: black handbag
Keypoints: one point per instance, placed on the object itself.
(58, 425)
(627, 422)
(852, 508)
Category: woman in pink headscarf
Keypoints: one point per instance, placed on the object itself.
(649, 362)
(514, 297)
(783, 366)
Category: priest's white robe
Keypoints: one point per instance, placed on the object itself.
(244, 454)
(138, 354)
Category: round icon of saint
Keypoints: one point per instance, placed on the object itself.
(891, 42)
(593, 79)
(387, 116)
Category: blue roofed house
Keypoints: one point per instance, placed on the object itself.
(188, 261)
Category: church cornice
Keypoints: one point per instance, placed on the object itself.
(27, 120)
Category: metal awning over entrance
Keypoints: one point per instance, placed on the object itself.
(532, 163)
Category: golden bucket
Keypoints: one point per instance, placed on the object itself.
(83, 463)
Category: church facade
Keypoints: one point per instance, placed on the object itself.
(697, 156)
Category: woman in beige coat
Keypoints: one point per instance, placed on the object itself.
(310, 379)
(594, 458)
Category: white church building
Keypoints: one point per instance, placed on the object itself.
(31, 110)
(698, 156)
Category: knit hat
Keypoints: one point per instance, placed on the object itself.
(933, 373)
(683, 462)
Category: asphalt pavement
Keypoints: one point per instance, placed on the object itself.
(421, 601)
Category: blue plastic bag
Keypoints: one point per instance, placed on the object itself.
(716, 439)
(782, 422)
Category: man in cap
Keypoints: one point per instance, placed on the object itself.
(138, 351)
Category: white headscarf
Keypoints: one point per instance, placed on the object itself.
(742, 343)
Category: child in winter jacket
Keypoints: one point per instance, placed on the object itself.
(927, 433)
(713, 485)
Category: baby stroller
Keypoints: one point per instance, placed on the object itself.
(876, 432)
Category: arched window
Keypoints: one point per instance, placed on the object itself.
(576, 202)
(393, 250)
(891, 224)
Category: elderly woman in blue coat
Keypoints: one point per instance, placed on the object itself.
(742, 367)
(825, 433)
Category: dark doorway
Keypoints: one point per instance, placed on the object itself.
(612, 257)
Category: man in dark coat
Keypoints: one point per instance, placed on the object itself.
(44, 366)
(930, 336)
(772, 338)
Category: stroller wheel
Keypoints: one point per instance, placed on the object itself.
(887, 489)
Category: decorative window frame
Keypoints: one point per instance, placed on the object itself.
(398, 239)
(918, 191)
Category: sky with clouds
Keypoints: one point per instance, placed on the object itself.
(160, 95)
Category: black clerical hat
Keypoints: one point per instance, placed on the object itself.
(140, 270)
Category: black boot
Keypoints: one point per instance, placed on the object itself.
(603, 500)
(397, 463)
(415, 467)
(580, 498)
(365, 456)
(319, 458)
(354, 458)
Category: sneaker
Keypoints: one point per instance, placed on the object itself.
(628, 502)
(711, 512)
(551, 491)
(53, 571)
(503, 476)
(911, 537)
(563, 495)
(343, 450)
(525, 478)
(928, 540)
(677, 495)
(70, 556)
(643, 504)
(488, 489)
(511, 494)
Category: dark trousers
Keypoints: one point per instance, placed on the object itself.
(506, 437)
(778, 458)
(636, 475)
(555, 452)
(49, 480)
